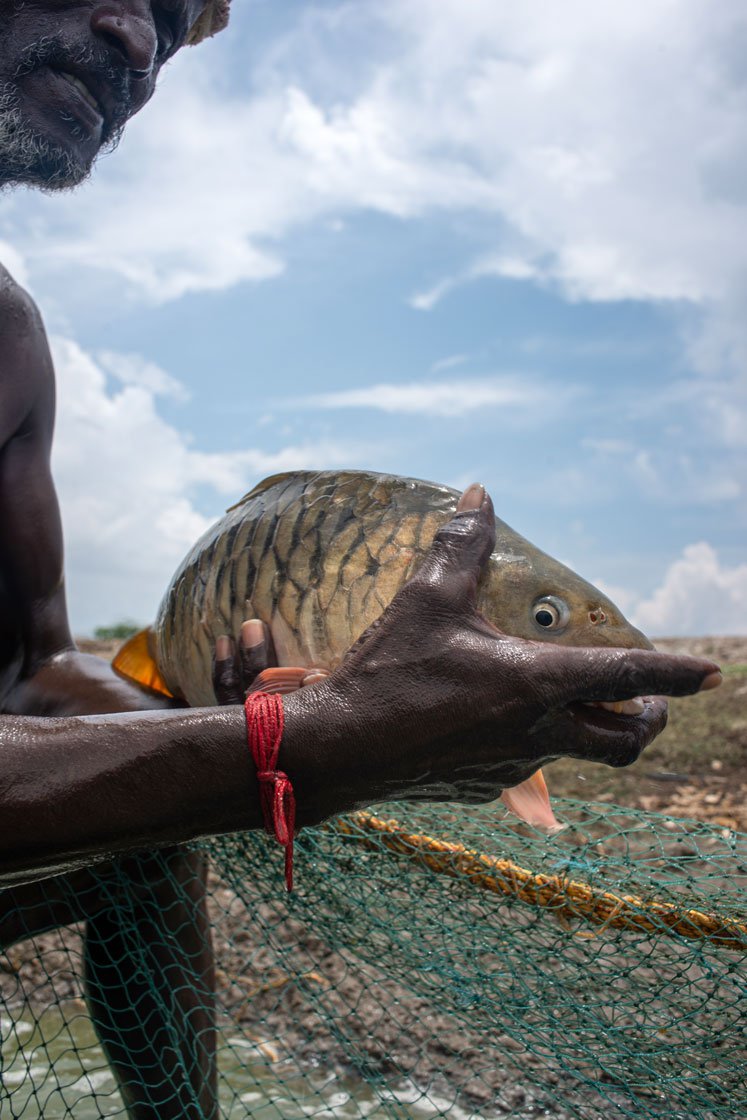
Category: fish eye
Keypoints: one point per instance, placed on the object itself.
(551, 613)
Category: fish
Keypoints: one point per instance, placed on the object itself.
(319, 555)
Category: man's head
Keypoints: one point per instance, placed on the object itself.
(72, 73)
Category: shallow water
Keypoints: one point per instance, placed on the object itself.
(54, 1069)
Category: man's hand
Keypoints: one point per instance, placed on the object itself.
(234, 671)
(79, 684)
(434, 702)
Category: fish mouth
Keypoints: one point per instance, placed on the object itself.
(632, 707)
(617, 715)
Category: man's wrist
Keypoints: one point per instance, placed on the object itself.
(320, 754)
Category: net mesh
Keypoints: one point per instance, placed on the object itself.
(431, 961)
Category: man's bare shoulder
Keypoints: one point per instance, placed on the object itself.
(17, 308)
(26, 371)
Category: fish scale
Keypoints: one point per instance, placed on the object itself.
(317, 555)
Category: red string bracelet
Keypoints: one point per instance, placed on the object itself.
(264, 728)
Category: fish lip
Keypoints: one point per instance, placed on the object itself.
(602, 719)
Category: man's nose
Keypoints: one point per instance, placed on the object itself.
(127, 26)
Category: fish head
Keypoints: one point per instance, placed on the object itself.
(528, 594)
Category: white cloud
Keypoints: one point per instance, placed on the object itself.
(445, 398)
(449, 362)
(127, 480)
(677, 478)
(603, 148)
(498, 265)
(132, 369)
(495, 264)
(610, 145)
(719, 404)
(15, 263)
(699, 595)
(427, 299)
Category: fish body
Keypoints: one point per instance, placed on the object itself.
(318, 555)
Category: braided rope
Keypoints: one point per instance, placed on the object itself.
(264, 727)
(567, 897)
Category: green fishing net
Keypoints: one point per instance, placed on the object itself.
(431, 961)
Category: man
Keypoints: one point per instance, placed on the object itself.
(394, 721)
(70, 77)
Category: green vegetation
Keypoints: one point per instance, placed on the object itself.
(119, 631)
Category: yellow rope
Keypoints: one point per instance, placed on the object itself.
(566, 897)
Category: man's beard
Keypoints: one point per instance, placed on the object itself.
(28, 156)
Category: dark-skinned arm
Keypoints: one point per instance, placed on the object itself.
(55, 678)
(77, 790)
(31, 539)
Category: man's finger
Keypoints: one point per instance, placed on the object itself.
(623, 674)
(226, 679)
(472, 498)
(255, 650)
(461, 548)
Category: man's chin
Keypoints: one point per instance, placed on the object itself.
(35, 162)
(31, 156)
(57, 171)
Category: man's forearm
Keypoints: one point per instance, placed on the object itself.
(76, 790)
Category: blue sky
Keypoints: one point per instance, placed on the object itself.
(455, 239)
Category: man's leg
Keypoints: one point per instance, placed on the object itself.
(35, 908)
(149, 972)
(150, 985)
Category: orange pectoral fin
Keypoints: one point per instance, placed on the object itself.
(135, 662)
(531, 802)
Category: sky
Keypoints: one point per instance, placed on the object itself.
(453, 239)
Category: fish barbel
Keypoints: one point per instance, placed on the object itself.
(318, 555)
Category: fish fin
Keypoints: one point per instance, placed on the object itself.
(266, 484)
(135, 662)
(530, 802)
(287, 678)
